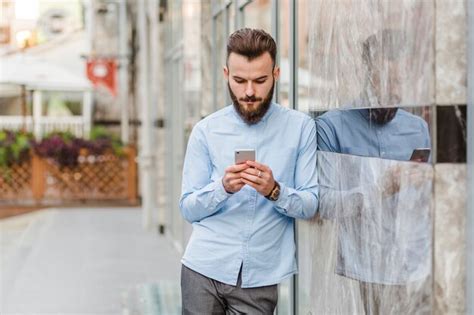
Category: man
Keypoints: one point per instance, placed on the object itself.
(242, 244)
(380, 204)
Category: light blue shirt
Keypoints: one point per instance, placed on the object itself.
(245, 229)
(351, 132)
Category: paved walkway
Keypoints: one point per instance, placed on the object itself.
(86, 261)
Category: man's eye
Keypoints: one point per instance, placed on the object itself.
(239, 81)
(260, 81)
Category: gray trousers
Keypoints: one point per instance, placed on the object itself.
(202, 295)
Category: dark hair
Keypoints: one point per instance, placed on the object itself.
(388, 44)
(251, 43)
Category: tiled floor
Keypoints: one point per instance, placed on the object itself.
(86, 261)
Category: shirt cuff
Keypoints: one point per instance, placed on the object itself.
(282, 203)
(220, 192)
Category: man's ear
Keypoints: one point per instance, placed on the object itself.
(226, 73)
(276, 73)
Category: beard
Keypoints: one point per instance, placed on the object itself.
(251, 117)
(382, 116)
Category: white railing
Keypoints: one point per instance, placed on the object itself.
(73, 124)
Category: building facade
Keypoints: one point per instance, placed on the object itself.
(338, 59)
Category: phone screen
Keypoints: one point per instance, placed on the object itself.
(420, 155)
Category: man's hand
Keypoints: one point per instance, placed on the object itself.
(232, 181)
(258, 176)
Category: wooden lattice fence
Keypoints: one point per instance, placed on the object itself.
(16, 181)
(103, 177)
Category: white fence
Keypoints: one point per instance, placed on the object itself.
(74, 124)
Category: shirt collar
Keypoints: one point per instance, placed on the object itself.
(269, 112)
(365, 113)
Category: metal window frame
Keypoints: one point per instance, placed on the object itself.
(275, 27)
(470, 161)
(293, 99)
(217, 10)
(174, 138)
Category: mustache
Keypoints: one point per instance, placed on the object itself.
(252, 98)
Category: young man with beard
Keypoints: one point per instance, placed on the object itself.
(242, 244)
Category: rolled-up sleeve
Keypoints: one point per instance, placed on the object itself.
(201, 197)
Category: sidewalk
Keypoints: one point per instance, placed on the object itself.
(86, 261)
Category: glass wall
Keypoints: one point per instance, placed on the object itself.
(391, 159)
(385, 82)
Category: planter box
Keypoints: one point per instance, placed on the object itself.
(103, 177)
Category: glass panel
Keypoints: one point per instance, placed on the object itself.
(371, 53)
(105, 39)
(285, 296)
(221, 38)
(374, 227)
(285, 289)
(451, 140)
(192, 62)
(284, 51)
(206, 48)
(449, 251)
(303, 62)
(401, 134)
(257, 14)
(231, 14)
(370, 245)
(451, 64)
(176, 22)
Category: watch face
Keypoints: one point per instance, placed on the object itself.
(275, 194)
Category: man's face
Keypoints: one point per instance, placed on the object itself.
(387, 91)
(251, 85)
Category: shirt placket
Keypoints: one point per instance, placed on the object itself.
(381, 142)
(252, 205)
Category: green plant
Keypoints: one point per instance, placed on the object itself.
(100, 133)
(14, 149)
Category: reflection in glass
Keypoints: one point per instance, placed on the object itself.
(371, 244)
(388, 133)
(375, 206)
(383, 49)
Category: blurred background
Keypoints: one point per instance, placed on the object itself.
(98, 98)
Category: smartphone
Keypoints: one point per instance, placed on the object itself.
(420, 155)
(243, 155)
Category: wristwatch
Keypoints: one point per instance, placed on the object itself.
(275, 193)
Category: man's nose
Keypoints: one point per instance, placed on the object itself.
(249, 90)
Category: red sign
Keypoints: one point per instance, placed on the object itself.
(103, 71)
